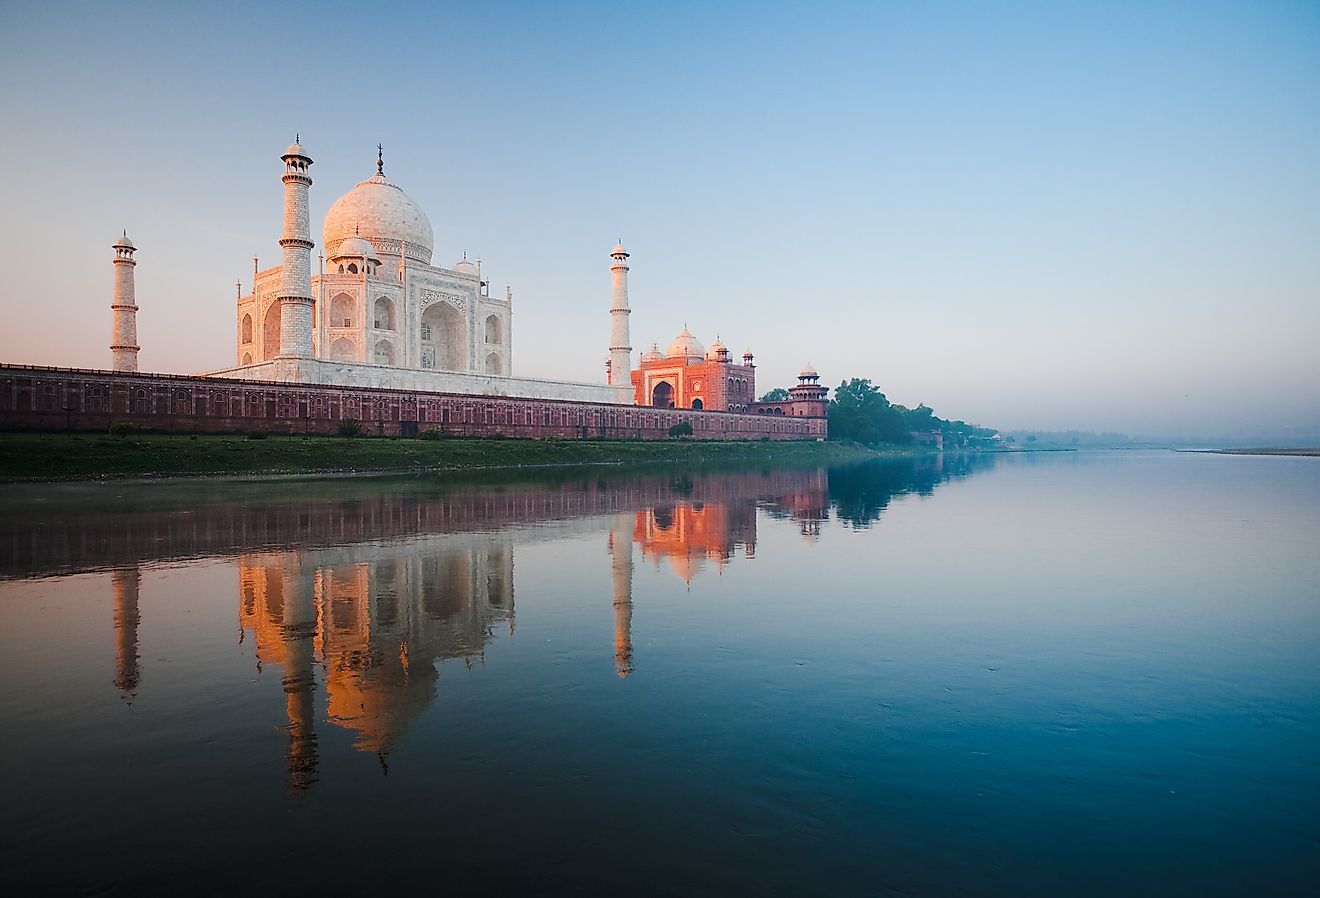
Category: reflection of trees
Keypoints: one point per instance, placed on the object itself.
(860, 493)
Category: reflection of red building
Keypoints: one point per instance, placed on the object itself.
(687, 535)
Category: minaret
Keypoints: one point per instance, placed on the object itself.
(620, 545)
(126, 582)
(295, 296)
(123, 340)
(298, 630)
(620, 348)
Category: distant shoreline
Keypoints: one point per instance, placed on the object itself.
(1311, 453)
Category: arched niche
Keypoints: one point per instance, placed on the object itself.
(384, 315)
(493, 364)
(343, 350)
(270, 332)
(343, 310)
(247, 328)
(383, 353)
(494, 330)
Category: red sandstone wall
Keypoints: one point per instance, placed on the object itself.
(33, 398)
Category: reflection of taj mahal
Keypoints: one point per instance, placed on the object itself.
(356, 630)
(378, 622)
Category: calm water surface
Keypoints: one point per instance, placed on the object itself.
(1045, 674)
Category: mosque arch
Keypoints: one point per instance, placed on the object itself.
(493, 365)
(343, 350)
(343, 310)
(493, 329)
(247, 328)
(698, 404)
(384, 354)
(247, 358)
(384, 318)
(443, 343)
(270, 332)
(662, 395)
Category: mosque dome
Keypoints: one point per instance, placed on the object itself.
(383, 214)
(618, 250)
(355, 246)
(295, 149)
(654, 355)
(808, 372)
(685, 346)
(465, 266)
(123, 241)
(715, 349)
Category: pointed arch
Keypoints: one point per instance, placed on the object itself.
(270, 332)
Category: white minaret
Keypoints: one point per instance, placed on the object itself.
(123, 340)
(295, 296)
(620, 348)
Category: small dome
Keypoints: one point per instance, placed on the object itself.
(808, 371)
(717, 349)
(124, 242)
(465, 266)
(356, 246)
(654, 355)
(618, 250)
(685, 346)
(295, 149)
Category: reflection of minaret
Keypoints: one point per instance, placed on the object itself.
(126, 583)
(299, 630)
(621, 552)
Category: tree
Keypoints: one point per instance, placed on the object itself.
(860, 412)
(681, 429)
(778, 394)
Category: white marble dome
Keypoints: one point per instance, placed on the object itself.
(808, 371)
(685, 346)
(653, 355)
(355, 246)
(383, 214)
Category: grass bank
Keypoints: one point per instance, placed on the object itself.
(67, 456)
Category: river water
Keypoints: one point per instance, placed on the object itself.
(1039, 674)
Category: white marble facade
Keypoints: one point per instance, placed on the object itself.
(378, 300)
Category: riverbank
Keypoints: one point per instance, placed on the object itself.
(1310, 453)
(67, 456)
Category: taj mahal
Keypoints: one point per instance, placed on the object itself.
(378, 335)
(379, 314)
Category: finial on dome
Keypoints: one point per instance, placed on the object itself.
(380, 160)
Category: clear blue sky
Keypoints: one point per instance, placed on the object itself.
(1055, 215)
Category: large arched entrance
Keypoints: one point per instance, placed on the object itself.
(663, 395)
(443, 340)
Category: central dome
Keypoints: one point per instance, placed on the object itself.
(685, 346)
(383, 214)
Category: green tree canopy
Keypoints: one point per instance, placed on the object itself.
(778, 394)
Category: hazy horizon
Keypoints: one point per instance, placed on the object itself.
(1025, 216)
